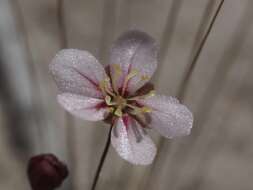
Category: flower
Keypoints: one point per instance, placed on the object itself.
(46, 172)
(120, 93)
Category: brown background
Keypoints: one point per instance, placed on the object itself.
(217, 155)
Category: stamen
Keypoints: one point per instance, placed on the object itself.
(115, 77)
(108, 100)
(104, 86)
(132, 74)
(118, 111)
(139, 110)
(146, 109)
(149, 94)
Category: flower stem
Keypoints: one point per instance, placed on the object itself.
(102, 159)
(162, 153)
(190, 70)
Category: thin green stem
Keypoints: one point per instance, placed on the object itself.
(102, 160)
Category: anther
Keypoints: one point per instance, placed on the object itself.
(132, 74)
(115, 76)
(118, 111)
(149, 94)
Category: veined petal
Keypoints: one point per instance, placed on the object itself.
(132, 143)
(135, 51)
(79, 72)
(91, 109)
(168, 116)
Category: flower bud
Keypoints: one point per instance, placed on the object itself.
(46, 172)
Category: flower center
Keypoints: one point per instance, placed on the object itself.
(116, 100)
(120, 105)
(116, 104)
(120, 101)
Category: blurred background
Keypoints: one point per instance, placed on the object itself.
(217, 155)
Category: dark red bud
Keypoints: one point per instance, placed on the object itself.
(46, 172)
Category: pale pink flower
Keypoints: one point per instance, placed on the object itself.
(119, 93)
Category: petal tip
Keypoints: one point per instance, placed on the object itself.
(124, 140)
(135, 35)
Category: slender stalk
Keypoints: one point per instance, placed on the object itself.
(160, 158)
(192, 65)
(102, 160)
(208, 11)
(190, 70)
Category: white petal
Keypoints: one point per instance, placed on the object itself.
(168, 116)
(78, 72)
(132, 143)
(83, 107)
(135, 50)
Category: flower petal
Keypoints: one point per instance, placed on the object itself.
(135, 50)
(168, 116)
(91, 109)
(132, 143)
(78, 72)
